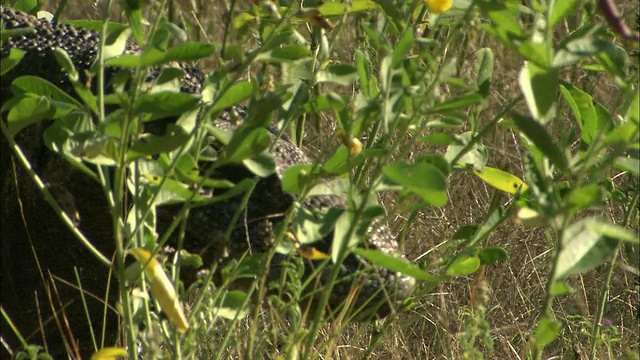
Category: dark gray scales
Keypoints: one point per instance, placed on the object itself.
(57, 249)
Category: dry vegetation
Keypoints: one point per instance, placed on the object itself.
(508, 294)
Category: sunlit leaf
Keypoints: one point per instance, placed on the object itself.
(161, 288)
(501, 180)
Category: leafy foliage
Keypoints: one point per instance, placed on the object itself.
(389, 93)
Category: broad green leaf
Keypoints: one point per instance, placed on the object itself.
(585, 112)
(7, 63)
(541, 139)
(248, 267)
(286, 53)
(246, 145)
(188, 51)
(492, 254)
(587, 244)
(614, 59)
(476, 156)
(243, 21)
(402, 47)
(606, 228)
(42, 87)
(484, 69)
(27, 111)
(233, 306)
(261, 165)
(391, 10)
(501, 180)
(363, 67)
(578, 49)
(539, 86)
(85, 94)
(464, 264)
(296, 177)
(151, 144)
(238, 92)
(584, 197)
(546, 331)
(560, 10)
(341, 74)
(632, 108)
(456, 103)
(425, 180)
(438, 139)
(396, 264)
(560, 288)
(629, 164)
(342, 234)
(312, 226)
(331, 8)
(165, 104)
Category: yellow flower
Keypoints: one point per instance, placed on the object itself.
(438, 6)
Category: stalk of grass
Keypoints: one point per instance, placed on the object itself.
(630, 208)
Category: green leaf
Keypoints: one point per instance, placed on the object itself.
(456, 103)
(28, 6)
(560, 288)
(341, 74)
(614, 60)
(546, 331)
(296, 177)
(286, 53)
(233, 305)
(7, 63)
(165, 104)
(492, 254)
(438, 139)
(629, 164)
(42, 87)
(464, 264)
(425, 180)
(337, 8)
(484, 69)
(246, 145)
(585, 112)
(188, 51)
(539, 86)
(402, 47)
(342, 235)
(584, 197)
(151, 144)
(262, 165)
(85, 94)
(28, 110)
(578, 49)
(476, 155)
(396, 264)
(501, 180)
(560, 10)
(587, 244)
(541, 139)
(237, 92)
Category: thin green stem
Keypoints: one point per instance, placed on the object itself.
(604, 292)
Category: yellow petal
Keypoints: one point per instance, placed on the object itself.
(109, 353)
(162, 289)
(311, 253)
(355, 147)
(438, 6)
